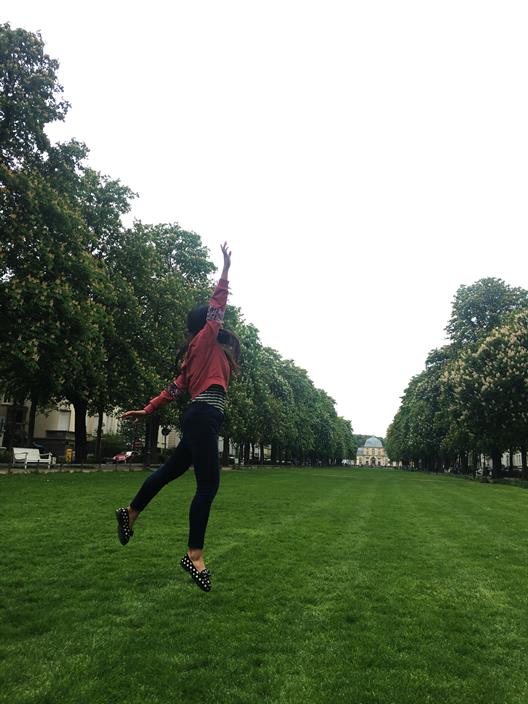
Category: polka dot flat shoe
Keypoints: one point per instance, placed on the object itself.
(123, 526)
(202, 579)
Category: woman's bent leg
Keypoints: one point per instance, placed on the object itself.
(177, 464)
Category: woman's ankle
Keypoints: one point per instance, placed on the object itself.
(196, 555)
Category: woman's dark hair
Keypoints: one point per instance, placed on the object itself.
(231, 346)
(196, 319)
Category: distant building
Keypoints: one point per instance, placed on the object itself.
(55, 428)
(372, 454)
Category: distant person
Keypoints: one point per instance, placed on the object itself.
(210, 356)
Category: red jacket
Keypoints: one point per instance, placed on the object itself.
(205, 361)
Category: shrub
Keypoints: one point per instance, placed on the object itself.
(110, 445)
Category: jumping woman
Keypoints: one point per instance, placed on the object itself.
(210, 356)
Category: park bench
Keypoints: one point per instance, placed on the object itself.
(30, 455)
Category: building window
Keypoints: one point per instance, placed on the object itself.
(64, 420)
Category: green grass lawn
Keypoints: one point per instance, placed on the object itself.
(329, 585)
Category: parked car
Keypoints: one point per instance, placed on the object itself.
(126, 456)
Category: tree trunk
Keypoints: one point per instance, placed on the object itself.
(496, 458)
(148, 445)
(225, 452)
(274, 452)
(524, 470)
(474, 463)
(511, 453)
(98, 442)
(15, 433)
(31, 420)
(261, 458)
(464, 462)
(151, 440)
(146, 458)
(80, 407)
(154, 432)
(246, 452)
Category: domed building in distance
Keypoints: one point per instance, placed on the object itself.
(372, 454)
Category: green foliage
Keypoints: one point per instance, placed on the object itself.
(30, 97)
(480, 308)
(274, 402)
(360, 439)
(489, 385)
(111, 444)
(473, 394)
(94, 312)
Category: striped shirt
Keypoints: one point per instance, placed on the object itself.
(214, 396)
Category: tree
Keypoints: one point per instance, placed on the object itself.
(48, 275)
(490, 389)
(461, 404)
(82, 300)
(346, 447)
(481, 307)
(46, 272)
(92, 384)
(93, 312)
(274, 402)
(30, 97)
(419, 431)
(158, 282)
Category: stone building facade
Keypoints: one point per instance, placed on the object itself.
(372, 454)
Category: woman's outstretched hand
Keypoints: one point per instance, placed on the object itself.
(227, 260)
(133, 415)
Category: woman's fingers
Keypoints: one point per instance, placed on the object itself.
(225, 251)
(132, 415)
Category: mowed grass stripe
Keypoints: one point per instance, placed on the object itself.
(329, 586)
(433, 582)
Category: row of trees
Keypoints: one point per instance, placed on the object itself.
(472, 397)
(93, 312)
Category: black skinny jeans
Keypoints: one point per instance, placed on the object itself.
(199, 447)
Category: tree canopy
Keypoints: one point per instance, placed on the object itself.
(93, 312)
(471, 398)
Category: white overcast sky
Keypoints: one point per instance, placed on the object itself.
(363, 159)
